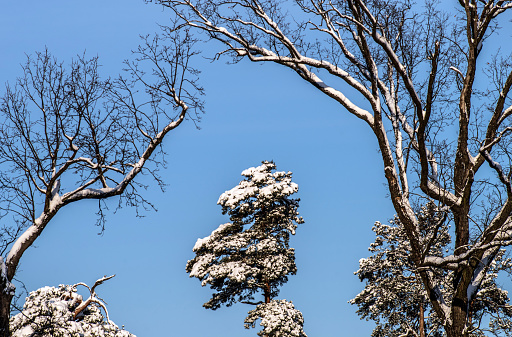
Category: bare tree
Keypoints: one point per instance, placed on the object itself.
(412, 73)
(69, 135)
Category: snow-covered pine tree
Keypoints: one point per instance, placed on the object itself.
(62, 312)
(251, 256)
(394, 297)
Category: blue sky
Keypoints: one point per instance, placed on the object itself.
(253, 113)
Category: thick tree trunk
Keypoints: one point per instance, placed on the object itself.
(462, 276)
(5, 312)
(459, 315)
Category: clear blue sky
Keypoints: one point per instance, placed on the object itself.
(253, 113)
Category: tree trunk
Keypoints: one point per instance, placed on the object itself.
(422, 321)
(462, 276)
(267, 292)
(459, 314)
(470, 314)
(5, 312)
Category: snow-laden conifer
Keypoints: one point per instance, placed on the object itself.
(62, 312)
(395, 298)
(279, 318)
(250, 255)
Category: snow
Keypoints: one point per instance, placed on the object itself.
(478, 277)
(48, 312)
(234, 196)
(55, 202)
(283, 187)
(222, 30)
(200, 267)
(8, 287)
(202, 242)
(17, 247)
(251, 253)
(279, 318)
(393, 289)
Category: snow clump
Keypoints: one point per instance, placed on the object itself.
(49, 312)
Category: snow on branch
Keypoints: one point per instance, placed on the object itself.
(6, 287)
(227, 30)
(50, 311)
(96, 136)
(93, 297)
(504, 178)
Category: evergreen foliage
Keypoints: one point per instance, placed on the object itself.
(251, 254)
(393, 293)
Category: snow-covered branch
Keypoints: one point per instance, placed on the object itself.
(505, 179)
(6, 287)
(404, 69)
(93, 298)
(49, 311)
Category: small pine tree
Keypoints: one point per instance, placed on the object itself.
(251, 254)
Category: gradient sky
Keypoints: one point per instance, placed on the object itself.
(253, 113)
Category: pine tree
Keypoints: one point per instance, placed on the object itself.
(250, 255)
(394, 297)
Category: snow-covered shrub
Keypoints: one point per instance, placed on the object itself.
(51, 312)
(279, 318)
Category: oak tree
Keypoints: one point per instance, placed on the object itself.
(434, 92)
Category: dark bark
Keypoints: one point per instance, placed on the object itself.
(383, 57)
(459, 316)
(5, 303)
